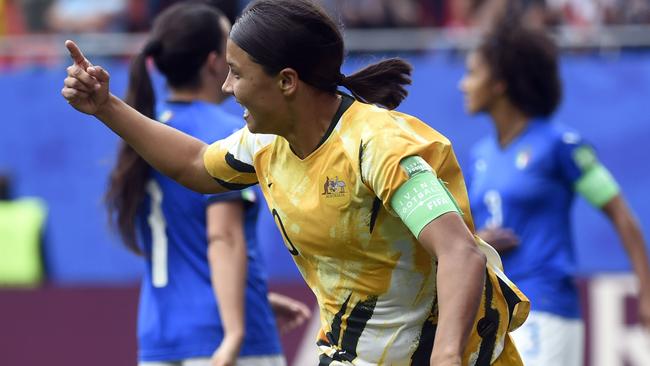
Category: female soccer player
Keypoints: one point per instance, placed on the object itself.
(522, 184)
(195, 246)
(371, 202)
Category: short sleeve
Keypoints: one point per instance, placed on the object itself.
(404, 137)
(230, 161)
(580, 168)
(574, 155)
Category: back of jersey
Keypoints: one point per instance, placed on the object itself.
(178, 315)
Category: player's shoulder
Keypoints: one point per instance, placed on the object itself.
(370, 122)
(212, 123)
(556, 131)
(190, 117)
(258, 141)
(565, 138)
(360, 117)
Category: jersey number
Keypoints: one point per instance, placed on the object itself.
(158, 227)
(287, 241)
(492, 200)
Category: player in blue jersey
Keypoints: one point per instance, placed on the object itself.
(196, 246)
(522, 184)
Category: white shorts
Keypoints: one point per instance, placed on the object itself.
(242, 361)
(547, 339)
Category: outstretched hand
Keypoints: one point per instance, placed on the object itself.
(227, 353)
(644, 305)
(86, 86)
(289, 313)
(501, 239)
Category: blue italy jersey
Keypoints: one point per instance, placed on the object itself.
(528, 186)
(178, 313)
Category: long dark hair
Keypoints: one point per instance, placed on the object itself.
(526, 60)
(181, 39)
(299, 34)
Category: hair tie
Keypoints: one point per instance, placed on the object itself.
(153, 48)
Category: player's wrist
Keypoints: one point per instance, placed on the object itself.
(234, 336)
(106, 109)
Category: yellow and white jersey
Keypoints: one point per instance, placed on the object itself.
(375, 284)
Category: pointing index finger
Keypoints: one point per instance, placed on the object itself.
(76, 55)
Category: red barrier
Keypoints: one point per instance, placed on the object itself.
(89, 326)
(68, 326)
(97, 326)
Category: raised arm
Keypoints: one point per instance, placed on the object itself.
(175, 154)
(289, 313)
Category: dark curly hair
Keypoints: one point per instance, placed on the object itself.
(526, 60)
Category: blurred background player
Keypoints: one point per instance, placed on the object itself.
(195, 246)
(522, 182)
(81, 16)
(22, 224)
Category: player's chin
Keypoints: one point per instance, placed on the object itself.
(469, 109)
(249, 120)
(252, 125)
(260, 123)
(472, 108)
(252, 128)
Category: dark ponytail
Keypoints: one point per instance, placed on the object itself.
(380, 83)
(181, 39)
(127, 181)
(140, 94)
(299, 34)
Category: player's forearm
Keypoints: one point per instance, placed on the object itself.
(631, 237)
(170, 151)
(634, 244)
(228, 262)
(460, 281)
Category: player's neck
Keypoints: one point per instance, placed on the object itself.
(509, 122)
(312, 118)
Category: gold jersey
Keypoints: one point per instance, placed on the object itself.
(375, 284)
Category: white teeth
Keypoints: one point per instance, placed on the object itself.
(246, 114)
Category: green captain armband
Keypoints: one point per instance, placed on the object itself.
(597, 185)
(423, 197)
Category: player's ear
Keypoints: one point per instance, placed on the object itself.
(217, 62)
(212, 62)
(499, 87)
(288, 81)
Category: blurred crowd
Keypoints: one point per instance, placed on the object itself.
(75, 16)
(588, 13)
